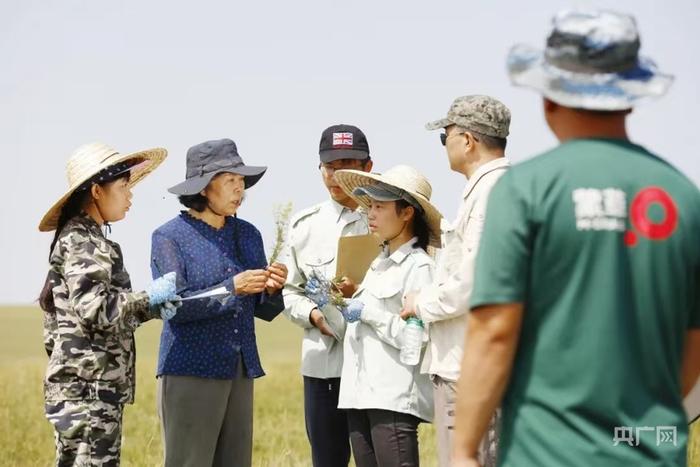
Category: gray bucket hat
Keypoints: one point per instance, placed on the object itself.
(591, 62)
(210, 158)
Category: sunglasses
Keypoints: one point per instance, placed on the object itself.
(443, 137)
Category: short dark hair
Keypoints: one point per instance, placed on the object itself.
(198, 202)
(491, 142)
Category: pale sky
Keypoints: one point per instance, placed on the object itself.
(271, 75)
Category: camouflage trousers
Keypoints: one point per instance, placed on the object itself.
(87, 432)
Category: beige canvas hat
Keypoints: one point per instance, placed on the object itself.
(89, 160)
(399, 182)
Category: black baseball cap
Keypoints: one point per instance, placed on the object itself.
(343, 142)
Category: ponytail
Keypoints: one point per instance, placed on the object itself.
(72, 208)
(420, 226)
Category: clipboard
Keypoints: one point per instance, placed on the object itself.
(355, 255)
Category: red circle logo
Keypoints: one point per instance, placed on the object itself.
(639, 215)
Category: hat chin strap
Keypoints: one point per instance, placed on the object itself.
(107, 226)
(389, 240)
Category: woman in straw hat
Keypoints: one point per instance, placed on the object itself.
(208, 353)
(387, 399)
(90, 311)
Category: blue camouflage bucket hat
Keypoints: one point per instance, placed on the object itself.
(591, 61)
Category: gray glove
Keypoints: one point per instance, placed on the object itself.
(167, 310)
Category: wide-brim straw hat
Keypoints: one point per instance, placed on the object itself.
(89, 160)
(591, 62)
(404, 180)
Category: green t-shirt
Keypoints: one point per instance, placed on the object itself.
(600, 240)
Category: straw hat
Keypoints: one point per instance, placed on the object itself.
(89, 160)
(399, 182)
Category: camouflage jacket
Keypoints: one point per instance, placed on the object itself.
(90, 336)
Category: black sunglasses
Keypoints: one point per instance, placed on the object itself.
(443, 137)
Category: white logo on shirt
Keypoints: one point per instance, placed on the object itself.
(597, 209)
(631, 436)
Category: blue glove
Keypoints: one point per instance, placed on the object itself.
(162, 289)
(315, 292)
(352, 311)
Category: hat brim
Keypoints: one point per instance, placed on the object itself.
(375, 192)
(349, 180)
(149, 160)
(600, 91)
(337, 154)
(439, 124)
(192, 186)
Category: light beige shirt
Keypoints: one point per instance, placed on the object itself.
(443, 303)
(373, 376)
(313, 244)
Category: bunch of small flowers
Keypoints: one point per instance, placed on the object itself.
(322, 291)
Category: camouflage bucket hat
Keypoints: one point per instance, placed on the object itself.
(482, 114)
(591, 62)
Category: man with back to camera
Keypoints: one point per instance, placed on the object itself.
(586, 305)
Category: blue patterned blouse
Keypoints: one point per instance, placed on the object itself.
(207, 335)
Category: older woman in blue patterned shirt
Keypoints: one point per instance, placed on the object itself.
(208, 354)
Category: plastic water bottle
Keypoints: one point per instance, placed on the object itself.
(412, 342)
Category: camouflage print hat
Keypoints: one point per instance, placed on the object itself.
(482, 114)
(591, 62)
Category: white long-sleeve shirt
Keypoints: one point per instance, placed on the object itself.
(373, 376)
(444, 303)
(313, 244)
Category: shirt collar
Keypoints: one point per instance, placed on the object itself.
(204, 227)
(490, 166)
(341, 211)
(89, 223)
(403, 251)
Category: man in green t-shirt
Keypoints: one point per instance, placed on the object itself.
(586, 307)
